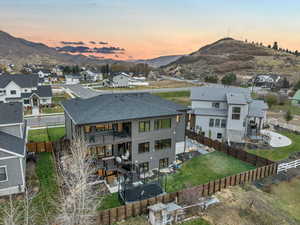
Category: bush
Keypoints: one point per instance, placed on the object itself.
(229, 79)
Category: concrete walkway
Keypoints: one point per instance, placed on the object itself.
(277, 140)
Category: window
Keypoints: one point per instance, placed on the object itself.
(163, 163)
(13, 92)
(211, 122)
(223, 123)
(144, 147)
(26, 101)
(236, 113)
(144, 167)
(217, 123)
(162, 124)
(216, 105)
(103, 127)
(144, 126)
(219, 135)
(163, 144)
(3, 175)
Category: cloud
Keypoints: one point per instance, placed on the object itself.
(109, 50)
(103, 43)
(73, 49)
(72, 42)
(85, 49)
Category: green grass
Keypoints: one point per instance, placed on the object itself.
(180, 97)
(196, 222)
(50, 134)
(205, 168)
(57, 99)
(43, 202)
(110, 201)
(55, 109)
(277, 154)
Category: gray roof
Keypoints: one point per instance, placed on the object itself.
(42, 91)
(12, 143)
(23, 80)
(236, 98)
(115, 107)
(210, 112)
(217, 92)
(257, 108)
(11, 113)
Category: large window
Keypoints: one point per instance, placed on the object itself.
(216, 105)
(13, 92)
(144, 126)
(103, 127)
(223, 123)
(163, 144)
(144, 167)
(211, 122)
(162, 124)
(217, 123)
(3, 175)
(144, 147)
(163, 163)
(26, 101)
(236, 113)
(101, 151)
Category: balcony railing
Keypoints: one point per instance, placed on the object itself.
(107, 137)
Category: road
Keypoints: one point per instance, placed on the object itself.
(81, 91)
(154, 90)
(44, 121)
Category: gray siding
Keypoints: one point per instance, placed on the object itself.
(68, 124)
(12, 130)
(180, 128)
(14, 173)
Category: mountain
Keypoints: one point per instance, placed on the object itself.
(229, 55)
(159, 61)
(20, 51)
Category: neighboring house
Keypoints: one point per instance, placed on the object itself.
(266, 80)
(25, 89)
(72, 79)
(119, 80)
(140, 129)
(138, 81)
(296, 98)
(90, 76)
(12, 149)
(43, 73)
(227, 113)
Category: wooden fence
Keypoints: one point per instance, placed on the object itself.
(265, 168)
(40, 147)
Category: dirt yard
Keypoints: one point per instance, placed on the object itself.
(280, 117)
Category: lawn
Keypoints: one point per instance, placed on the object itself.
(58, 98)
(43, 202)
(277, 154)
(180, 97)
(110, 201)
(205, 168)
(50, 134)
(54, 109)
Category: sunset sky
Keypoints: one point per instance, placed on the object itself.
(146, 29)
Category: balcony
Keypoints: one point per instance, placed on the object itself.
(107, 137)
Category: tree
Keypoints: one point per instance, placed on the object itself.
(269, 46)
(288, 116)
(297, 85)
(296, 53)
(211, 79)
(275, 45)
(229, 79)
(271, 100)
(78, 200)
(285, 83)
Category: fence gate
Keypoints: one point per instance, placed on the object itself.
(289, 165)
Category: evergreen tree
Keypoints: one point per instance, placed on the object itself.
(229, 79)
(288, 116)
(275, 45)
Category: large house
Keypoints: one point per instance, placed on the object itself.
(138, 129)
(25, 89)
(12, 149)
(227, 113)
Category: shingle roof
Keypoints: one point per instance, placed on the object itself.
(217, 92)
(236, 98)
(11, 113)
(114, 107)
(257, 108)
(23, 80)
(12, 143)
(42, 91)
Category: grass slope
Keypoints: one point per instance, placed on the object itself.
(180, 97)
(50, 134)
(205, 168)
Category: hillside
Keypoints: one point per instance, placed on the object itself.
(159, 61)
(229, 55)
(20, 51)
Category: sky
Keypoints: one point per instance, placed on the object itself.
(136, 29)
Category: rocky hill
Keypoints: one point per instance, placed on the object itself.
(20, 51)
(229, 55)
(159, 61)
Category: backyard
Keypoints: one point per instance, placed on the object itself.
(47, 134)
(180, 97)
(280, 153)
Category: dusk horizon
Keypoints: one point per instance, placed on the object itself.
(140, 29)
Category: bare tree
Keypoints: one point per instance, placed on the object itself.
(79, 203)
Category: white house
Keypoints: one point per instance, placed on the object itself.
(72, 79)
(90, 76)
(25, 89)
(120, 80)
(227, 113)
